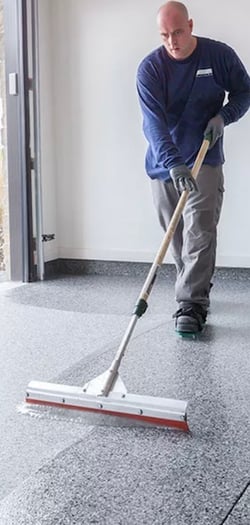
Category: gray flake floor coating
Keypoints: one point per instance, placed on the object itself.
(62, 467)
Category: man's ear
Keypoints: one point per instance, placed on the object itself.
(191, 25)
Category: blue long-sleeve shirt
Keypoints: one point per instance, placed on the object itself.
(178, 98)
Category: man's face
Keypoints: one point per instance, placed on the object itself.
(176, 33)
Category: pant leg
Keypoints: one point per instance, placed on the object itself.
(194, 244)
(165, 200)
(200, 217)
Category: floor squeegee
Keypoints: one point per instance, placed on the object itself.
(107, 393)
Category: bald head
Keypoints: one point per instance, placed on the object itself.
(176, 30)
(171, 7)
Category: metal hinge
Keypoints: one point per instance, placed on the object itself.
(30, 84)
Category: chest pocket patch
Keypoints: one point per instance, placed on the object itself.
(207, 72)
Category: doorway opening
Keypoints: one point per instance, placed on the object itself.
(4, 207)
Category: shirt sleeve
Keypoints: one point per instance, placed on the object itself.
(155, 126)
(236, 82)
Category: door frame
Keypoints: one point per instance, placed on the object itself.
(20, 26)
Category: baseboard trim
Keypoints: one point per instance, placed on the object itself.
(99, 267)
(123, 268)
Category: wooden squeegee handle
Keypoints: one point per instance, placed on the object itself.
(173, 223)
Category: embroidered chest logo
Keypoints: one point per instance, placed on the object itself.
(208, 72)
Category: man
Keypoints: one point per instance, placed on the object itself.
(181, 87)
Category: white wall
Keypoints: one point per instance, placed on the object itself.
(92, 124)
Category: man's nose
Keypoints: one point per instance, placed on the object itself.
(172, 40)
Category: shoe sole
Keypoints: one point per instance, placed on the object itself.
(187, 335)
(190, 335)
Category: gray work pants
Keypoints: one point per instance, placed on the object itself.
(193, 246)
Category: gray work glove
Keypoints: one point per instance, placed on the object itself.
(182, 178)
(214, 129)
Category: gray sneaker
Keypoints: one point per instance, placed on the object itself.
(190, 319)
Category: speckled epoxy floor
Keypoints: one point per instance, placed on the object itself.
(67, 468)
